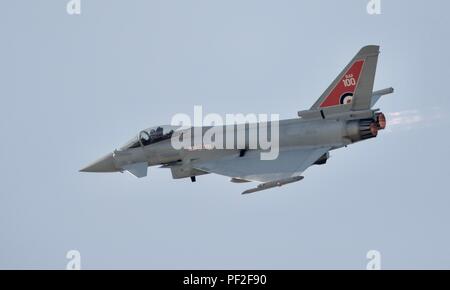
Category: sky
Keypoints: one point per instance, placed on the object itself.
(75, 87)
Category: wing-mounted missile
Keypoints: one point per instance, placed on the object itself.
(272, 184)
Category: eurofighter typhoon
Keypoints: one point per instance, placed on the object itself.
(343, 115)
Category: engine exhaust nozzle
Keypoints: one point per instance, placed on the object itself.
(381, 121)
(374, 129)
(358, 130)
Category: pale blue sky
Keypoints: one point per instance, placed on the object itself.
(75, 87)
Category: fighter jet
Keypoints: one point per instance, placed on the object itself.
(343, 115)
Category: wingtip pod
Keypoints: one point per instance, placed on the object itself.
(271, 184)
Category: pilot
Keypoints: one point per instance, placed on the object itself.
(159, 132)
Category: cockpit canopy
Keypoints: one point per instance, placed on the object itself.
(150, 136)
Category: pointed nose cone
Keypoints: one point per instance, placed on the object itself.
(104, 164)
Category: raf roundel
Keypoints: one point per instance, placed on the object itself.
(346, 98)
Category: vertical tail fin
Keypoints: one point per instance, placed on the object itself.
(352, 89)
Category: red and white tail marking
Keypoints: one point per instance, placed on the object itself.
(343, 92)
